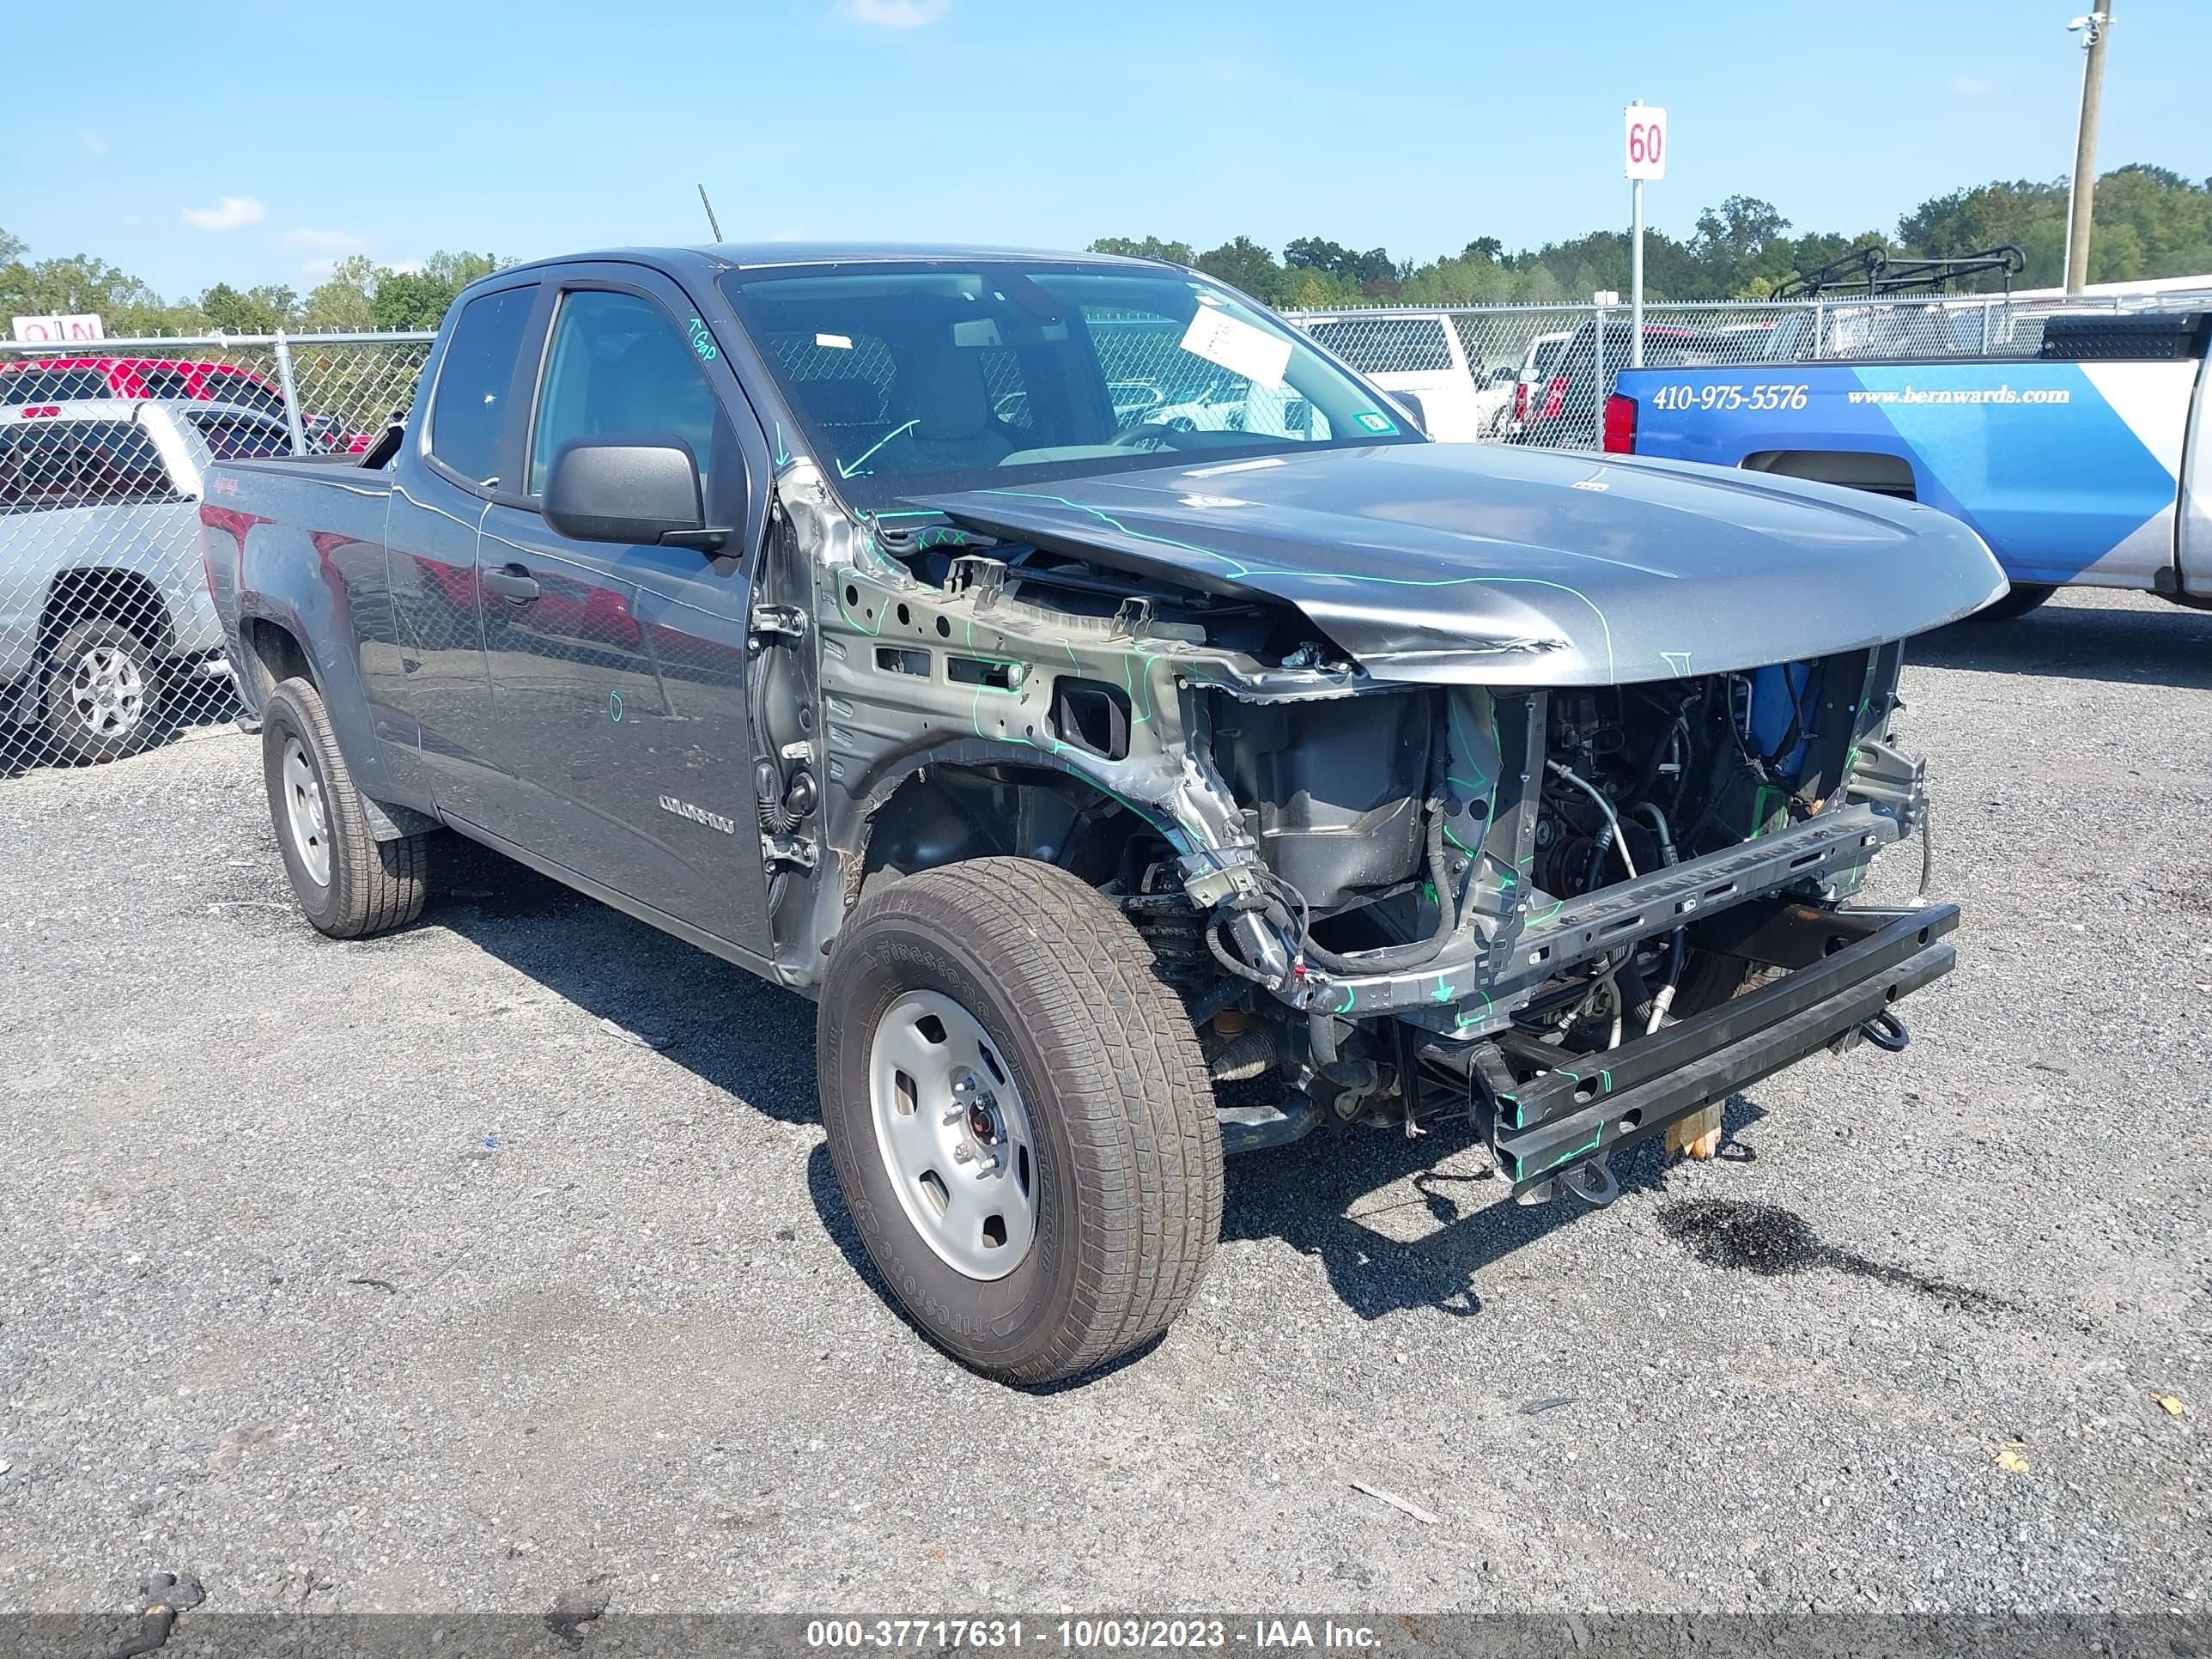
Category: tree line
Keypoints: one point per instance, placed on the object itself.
(358, 295)
(2150, 221)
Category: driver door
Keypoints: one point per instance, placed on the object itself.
(617, 672)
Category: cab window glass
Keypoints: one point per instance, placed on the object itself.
(619, 366)
(468, 407)
(80, 464)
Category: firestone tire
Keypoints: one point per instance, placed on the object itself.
(349, 884)
(1085, 1084)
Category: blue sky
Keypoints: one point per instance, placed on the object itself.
(251, 142)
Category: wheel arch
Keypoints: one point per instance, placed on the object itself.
(1879, 472)
(967, 800)
(127, 597)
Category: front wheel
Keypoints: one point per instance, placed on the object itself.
(1020, 1117)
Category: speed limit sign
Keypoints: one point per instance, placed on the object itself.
(1646, 142)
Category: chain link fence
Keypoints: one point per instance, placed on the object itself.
(1541, 374)
(108, 642)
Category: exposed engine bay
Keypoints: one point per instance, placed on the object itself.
(1379, 900)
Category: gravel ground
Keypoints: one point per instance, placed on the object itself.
(463, 1268)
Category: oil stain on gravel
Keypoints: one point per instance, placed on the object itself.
(1766, 1240)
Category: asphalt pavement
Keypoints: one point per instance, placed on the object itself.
(500, 1258)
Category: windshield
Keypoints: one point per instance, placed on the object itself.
(909, 379)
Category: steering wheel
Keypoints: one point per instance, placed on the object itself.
(1145, 435)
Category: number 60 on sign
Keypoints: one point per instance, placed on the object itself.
(1646, 141)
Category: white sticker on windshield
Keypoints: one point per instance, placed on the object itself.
(1237, 346)
(835, 342)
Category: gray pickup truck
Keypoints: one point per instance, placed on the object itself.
(1124, 791)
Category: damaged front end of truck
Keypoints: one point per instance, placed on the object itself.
(1526, 786)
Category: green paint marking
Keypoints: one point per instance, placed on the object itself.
(858, 626)
(703, 343)
(1345, 1006)
(782, 452)
(1443, 992)
(1457, 842)
(1460, 1020)
(614, 706)
(846, 471)
(1679, 661)
(1544, 920)
(1589, 1145)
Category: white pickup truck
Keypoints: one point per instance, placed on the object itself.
(1421, 352)
(104, 609)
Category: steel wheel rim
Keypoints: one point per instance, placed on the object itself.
(106, 691)
(304, 813)
(953, 1134)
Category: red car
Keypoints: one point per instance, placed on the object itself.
(64, 379)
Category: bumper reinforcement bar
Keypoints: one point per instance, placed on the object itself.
(1600, 1102)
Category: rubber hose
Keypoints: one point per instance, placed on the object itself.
(1419, 952)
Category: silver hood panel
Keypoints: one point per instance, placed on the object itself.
(1502, 566)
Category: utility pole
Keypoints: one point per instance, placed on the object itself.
(2082, 191)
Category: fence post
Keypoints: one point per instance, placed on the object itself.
(1819, 329)
(291, 394)
(1597, 414)
(1989, 315)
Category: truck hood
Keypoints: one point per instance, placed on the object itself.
(1506, 566)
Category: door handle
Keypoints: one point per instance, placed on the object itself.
(511, 582)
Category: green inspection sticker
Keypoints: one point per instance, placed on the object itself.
(1375, 423)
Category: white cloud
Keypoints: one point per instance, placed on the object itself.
(407, 267)
(92, 143)
(326, 242)
(232, 213)
(896, 13)
(1971, 86)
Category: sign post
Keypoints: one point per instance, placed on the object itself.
(1646, 158)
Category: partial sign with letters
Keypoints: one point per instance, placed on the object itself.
(59, 330)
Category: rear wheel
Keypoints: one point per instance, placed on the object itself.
(349, 884)
(2023, 598)
(102, 690)
(1020, 1117)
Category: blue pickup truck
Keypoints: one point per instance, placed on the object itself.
(2081, 467)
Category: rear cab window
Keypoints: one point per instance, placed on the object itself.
(1387, 346)
(468, 407)
(240, 437)
(49, 465)
(53, 385)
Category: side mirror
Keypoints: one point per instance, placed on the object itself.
(1410, 402)
(1504, 374)
(631, 490)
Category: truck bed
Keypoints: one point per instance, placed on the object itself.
(2073, 466)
